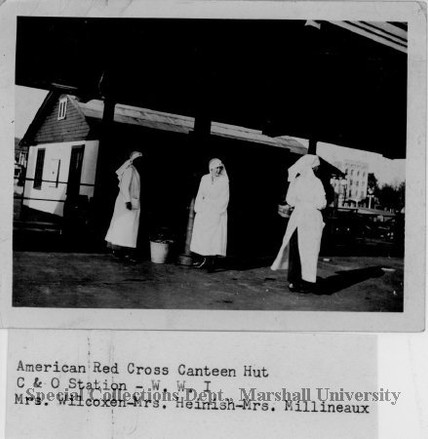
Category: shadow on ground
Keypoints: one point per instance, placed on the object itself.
(346, 278)
(243, 263)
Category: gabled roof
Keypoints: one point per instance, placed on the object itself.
(47, 127)
(42, 112)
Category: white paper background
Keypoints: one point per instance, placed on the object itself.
(414, 278)
(402, 359)
(293, 361)
(402, 365)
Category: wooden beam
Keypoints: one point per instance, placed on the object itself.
(374, 33)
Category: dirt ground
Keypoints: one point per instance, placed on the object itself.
(91, 280)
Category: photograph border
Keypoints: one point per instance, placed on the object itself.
(413, 317)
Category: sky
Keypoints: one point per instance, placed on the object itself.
(29, 100)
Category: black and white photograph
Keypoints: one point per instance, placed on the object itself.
(213, 219)
(215, 164)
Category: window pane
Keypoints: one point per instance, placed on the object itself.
(38, 175)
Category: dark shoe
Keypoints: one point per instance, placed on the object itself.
(130, 259)
(116, 254)
(201, 264)
(307, 287)
(210, 266)
(294, 287)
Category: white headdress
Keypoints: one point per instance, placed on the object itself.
(216, 163)
(303, 166)
(128, 163)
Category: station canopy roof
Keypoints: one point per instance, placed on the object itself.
(343, 83)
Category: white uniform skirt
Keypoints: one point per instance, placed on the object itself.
(123, 230)
(309, 223)
(209, 237)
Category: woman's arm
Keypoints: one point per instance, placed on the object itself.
(320, 198)
(291, 193)
(223, 199)
(125, 185)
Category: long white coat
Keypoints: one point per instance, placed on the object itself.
(123, 230)
(306, 194)
(209, 237)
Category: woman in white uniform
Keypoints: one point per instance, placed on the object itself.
(209, 236)
(123, 231)
(307, 196)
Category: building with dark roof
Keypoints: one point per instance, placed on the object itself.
(65, 162)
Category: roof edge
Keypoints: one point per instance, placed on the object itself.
(49, 100)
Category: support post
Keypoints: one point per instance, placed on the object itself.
(103, 147)
(186, 258)
(100, 217)
(312, 148)
(202, 130)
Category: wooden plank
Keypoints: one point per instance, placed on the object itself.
(363, 32)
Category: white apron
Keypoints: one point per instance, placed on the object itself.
(123, 230)
(307, 195)
(209, 236)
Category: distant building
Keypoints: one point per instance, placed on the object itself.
(21, 153)
(354, 189)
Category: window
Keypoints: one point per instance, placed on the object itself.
(358, 183)
(62, 109)
(75, 171)
(38, 175)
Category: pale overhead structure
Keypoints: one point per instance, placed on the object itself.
(384, 33)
